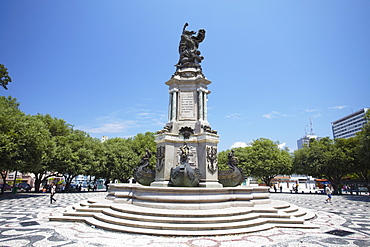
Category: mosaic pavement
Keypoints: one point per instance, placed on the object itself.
(24, 222)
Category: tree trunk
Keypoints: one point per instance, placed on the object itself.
(68, 180)
(3, 176)
(38, 180)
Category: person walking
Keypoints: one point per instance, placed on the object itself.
(328, 193)
(53, 189)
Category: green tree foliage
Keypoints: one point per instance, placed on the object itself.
(266, 160)
(263, 160)
(140, 143)
(363, 151)
(327, 158)
(123, 155)
(120, 160)
(10, 115)
(36, 146)
(47, 146)
(4, 77)
(75, 155)
(47, 166)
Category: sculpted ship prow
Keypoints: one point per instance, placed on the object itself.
(143, 174)
(234, 176)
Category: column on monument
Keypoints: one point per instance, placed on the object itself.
(205, 117)
(200, 105)
(170, 107)
(174, 104)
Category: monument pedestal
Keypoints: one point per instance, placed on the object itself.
(187, 123)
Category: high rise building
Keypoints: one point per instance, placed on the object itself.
(349, 125)
(305, 140)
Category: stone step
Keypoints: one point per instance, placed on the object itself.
(165, 232)
(176, 219)
(194, 226)
(196, 219)
(132, 209)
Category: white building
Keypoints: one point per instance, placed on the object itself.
(348, 126)
(104, 138)
(305, 140)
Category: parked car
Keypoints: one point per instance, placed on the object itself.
(7, 187)
(24, 186)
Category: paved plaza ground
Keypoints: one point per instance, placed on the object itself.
(24, 222)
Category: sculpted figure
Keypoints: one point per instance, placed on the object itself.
(188, 48)
(145, 159)
(233, 161)
(184, 153)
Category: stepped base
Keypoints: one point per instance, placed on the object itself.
(198, 211)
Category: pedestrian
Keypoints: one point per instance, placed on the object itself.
(53, 189)
(328, 193)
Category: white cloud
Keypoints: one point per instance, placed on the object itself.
(340, 107)
(239, 145)
(311, 110)
(158, 124)
(234, 115)
(282, 145)
(108, 127)
(271, 115)
(275, 114)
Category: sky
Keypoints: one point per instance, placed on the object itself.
(274, 65)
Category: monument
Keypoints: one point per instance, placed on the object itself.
(186, 194)
(187, 118)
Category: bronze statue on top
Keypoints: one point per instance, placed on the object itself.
(188, 48)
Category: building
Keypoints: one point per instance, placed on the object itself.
(348, 126)
(305, 140)
(104, 139)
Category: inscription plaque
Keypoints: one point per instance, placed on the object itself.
(187, 105)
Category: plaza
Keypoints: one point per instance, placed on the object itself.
(24, 221)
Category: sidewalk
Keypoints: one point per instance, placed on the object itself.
(24, 222)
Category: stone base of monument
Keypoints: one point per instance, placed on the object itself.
(179, 211)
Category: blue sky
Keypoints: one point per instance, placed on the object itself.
(102, 65)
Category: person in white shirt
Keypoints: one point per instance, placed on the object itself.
(53, 189)
(328, 193)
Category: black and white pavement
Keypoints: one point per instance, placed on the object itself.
(24, 221)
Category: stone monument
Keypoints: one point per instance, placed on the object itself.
(187, 118)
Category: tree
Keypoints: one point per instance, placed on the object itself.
(263, 159)
(119, 159)
(242, 154)
(327, 158)
(10, 115)
(363, 151)
(4, 77)
(47, 166)
(266, 160)
(140, 143)
(36, 147)
(121, 156)
(74, 155)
